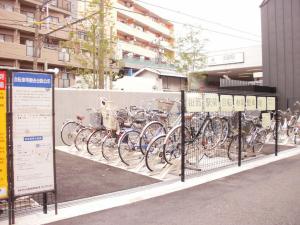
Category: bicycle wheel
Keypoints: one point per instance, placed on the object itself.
(212, 133)
(69, 131)
(150, 131)
(109, 148)
(259, 141)
(172, 143)
(154, 155)
(225, 131)
(82, 137)
(233, 148)
(128, 148)
(94, 142)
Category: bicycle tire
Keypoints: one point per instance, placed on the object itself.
(260, 140)
(154, 159)
(68, 136)
(173, 139)
(82, 137)
(210, 137)
(233, 148)
(109, 148)
(128, 148)
(147, 134)
(94, 141)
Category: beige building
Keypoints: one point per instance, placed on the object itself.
(17, 32)
(144, 38)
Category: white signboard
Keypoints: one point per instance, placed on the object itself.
(226, 102)
(211, 102)
(194, 102)
(271, 103)
(262, 103)
(266, 120)
(32, 104)
(228, 58)
(250, 103)
(239, 103)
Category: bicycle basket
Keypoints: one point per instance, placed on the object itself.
(96, 120)
(165, 105)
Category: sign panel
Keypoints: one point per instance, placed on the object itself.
(271, 103)
(194, 102)
(239, 103)
(266, 120)
(211, 102)
(250, 103)
(262, 103)
(3, 146)
(226, 102)
(228, 58)
(32, 104)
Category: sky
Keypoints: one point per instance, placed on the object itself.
(241, 15)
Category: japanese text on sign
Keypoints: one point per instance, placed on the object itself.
(32, 106)
(226, 102)
(3, 149)
(250, 103)
(271, 103)
(211, 102)
(266, 120)
(194, 102)
(261, 103)
(239, 103)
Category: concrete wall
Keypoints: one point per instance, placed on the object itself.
(72, 102)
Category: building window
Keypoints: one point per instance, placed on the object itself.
(6, 38)
(7, 7)
(64, 55)
(82, 35)
(53, 2)
(64, 81)
(29, 47)
(54, 19)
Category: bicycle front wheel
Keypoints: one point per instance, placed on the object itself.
(259, 141)
(233, 148)
(69, 131)
(128, 148)
(154, 155)
(95, 141)
(82, 137)
(212, 133)
(109, 148)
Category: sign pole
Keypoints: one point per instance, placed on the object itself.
(182, 137)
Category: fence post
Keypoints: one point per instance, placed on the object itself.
(182, 137)
(276, 126)
(45, 202)
(240, 139)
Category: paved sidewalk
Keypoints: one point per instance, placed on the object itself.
(267, 195)
(78, 178)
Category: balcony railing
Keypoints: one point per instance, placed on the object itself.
(62, 4)
(147, 63)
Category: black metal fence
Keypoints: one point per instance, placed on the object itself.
(198, 159)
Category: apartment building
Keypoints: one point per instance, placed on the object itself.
(144, 38)
(17, 36)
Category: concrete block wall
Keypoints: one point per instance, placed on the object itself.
(72, 102)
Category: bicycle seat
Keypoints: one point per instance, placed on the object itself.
(139, 121)
(80, 117)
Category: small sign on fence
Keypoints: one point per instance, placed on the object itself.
(239, 103)
(262, 103)
(194, 102)
(271, 105)
(211, 102)
(226, 102)
(250, 103)
(266, 120)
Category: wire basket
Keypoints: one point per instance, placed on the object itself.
(165, 105)
(96, 120)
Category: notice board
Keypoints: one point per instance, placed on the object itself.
(32, 132)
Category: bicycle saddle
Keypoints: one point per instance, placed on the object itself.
(80, 117)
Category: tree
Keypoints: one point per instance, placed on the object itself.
(92, 44)
(189, 51)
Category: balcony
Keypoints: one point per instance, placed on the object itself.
(140, 64)
(62, 6)
(139, 50)
(144, 20)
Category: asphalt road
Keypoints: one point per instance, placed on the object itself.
(268, 195)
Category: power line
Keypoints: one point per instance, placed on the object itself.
(198, 18)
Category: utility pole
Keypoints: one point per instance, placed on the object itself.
(36, 43)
